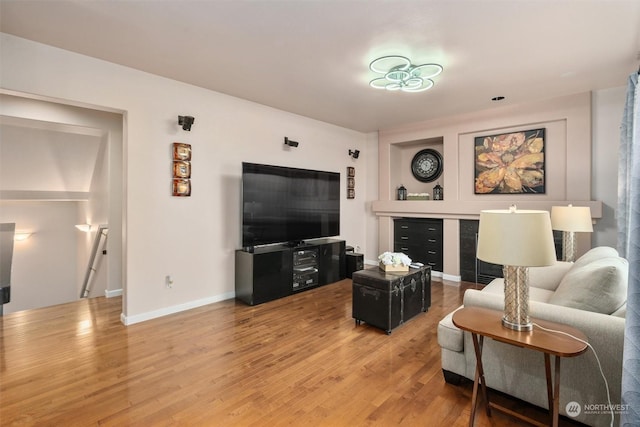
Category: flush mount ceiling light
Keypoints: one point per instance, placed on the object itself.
(398, 73)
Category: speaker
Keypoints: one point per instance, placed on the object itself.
(355, 262)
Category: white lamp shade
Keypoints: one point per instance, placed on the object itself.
(516, 238)
(571, 218)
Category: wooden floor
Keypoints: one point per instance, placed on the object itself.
(296, 361)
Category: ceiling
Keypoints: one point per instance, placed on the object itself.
(311, 57)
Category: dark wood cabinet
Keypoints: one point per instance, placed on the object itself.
(332, 264)
(267, 273)
(263, 275)
(420, 239)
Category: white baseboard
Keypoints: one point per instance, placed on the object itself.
(451, 277)
(130, 320)
(114, 293)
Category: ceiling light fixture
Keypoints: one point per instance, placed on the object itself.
(400, 74)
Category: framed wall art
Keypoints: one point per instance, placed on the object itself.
(182, 187)
(181, 151)
(181, 168)
(351, 182)
(510, 163)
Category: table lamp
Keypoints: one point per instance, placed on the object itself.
(570, 220)
(516, 239)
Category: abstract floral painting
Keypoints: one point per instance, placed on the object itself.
(510, 163)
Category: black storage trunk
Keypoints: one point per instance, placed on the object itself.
(388, 299)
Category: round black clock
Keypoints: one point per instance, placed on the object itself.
(426, 165)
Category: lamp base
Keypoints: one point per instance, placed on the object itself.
(517, 326)
(516, 298)
(569, 246)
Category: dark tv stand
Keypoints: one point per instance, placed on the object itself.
(267, 272)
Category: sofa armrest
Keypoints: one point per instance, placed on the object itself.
(548, 277)
(605, 333)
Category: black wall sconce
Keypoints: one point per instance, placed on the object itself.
(354, 153)
(290, 143)
(186, 122)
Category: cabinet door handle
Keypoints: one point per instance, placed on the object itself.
(431, 240)
(404, 249)
(431, 252)
(432, 229)
(404, 237)
(404, 226)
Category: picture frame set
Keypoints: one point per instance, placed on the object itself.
(181, 170)
(351, 182)
(510, 163)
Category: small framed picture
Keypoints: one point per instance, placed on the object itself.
(181, 151)
(181, 187)
(351, 183)
(181, 169)
(351, 171)
(351, 193)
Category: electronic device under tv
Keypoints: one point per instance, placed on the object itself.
(288, 205)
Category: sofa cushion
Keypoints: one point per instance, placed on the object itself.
(595, 254)
(449, 336)
(599, 286)
(535, 294)
(548, 277)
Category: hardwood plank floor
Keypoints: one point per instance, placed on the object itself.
(296, 361)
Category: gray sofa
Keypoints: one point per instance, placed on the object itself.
(589, 295)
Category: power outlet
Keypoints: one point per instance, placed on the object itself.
(168, 281)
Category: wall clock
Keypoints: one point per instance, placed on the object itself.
(426, 165)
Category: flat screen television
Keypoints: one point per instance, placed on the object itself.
(288, 205)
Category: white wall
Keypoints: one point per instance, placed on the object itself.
(44, 266)
(76, 140)
(607, 108)
(193, 239)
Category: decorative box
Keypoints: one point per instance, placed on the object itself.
(388, 299)
(418, 196)
(391, 267)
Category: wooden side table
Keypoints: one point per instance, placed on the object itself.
(482, 322)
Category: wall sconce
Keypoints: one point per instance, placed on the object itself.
(354, 153)
(84, 227)
(186, 122)
(290, 143)
(21, 236)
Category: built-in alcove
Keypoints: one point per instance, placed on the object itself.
(400, 172)
(567, 124)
